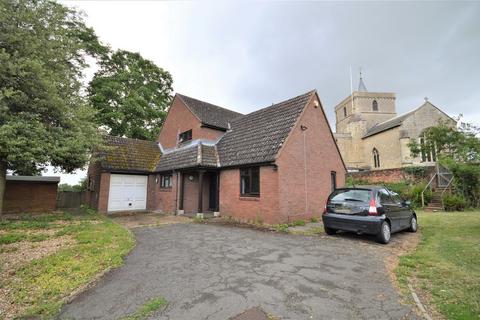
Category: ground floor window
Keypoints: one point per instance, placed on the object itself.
(166, 181)
(250, 181)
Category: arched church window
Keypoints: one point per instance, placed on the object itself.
(345, 112)
(376, 158)
(427, 148)
(375, 105)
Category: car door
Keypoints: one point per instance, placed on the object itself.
(392, 211)
(404, 211)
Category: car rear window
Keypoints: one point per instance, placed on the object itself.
(350, 195)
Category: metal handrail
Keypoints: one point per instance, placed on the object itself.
(428, 185)
(441, 195)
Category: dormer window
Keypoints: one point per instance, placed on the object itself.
(185, 136)
(375, 105)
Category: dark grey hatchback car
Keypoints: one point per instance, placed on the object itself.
(368, 210)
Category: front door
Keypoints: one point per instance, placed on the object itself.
(213, 192)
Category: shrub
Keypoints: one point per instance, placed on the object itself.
(298, 223)
(454, 202)
(281, 227)
(415, 195)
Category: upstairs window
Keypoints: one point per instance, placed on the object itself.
(185, 136)
(376, 158)
(166, 181)
(345, 112)
(250, 181)
(375, 105)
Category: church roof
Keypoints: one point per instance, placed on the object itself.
(396, 122)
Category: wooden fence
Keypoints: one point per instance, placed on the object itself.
(70, 199)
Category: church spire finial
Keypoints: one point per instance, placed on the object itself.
(361, 84)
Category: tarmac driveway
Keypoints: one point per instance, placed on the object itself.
(217, 272)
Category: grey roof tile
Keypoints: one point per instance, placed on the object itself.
(192, 156)
(129, 154)
(210, 114)
(258, 136)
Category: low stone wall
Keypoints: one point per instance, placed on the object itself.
(394, 175)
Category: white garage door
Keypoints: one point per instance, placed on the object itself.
(127, 192)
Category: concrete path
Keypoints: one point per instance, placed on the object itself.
(218, 272)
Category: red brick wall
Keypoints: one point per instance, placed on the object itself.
(263, 208)
(390, 175)
(322, 157)
(93, 176)
(180, 119)
(103, 191)
(161, 199)
(29, 197)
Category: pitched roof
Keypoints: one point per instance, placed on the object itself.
(194, 155)
(125, 154)
(258, 136)
(386, 125)
(209, 114)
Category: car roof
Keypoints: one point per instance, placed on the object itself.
(364, 187)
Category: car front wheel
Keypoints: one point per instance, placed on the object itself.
(413, 224)
(385, 233)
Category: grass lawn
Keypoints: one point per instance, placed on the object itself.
(446, 264)
(67, 253)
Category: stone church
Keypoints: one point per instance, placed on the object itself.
(371, 136)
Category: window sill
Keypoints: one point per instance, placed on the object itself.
(249, 198)
(165, 189)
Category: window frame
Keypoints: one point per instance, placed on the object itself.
(185, 136)
(248, 172)
(163, 180)
(376, 158)
(374, 105)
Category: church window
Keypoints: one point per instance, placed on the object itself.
(345, 112)
(376, 158)
(428, 149)
(375, 105)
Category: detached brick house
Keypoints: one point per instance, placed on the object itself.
(274, 165)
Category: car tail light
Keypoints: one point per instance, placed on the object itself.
(372, 211)
(325, 207)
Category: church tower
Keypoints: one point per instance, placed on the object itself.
(356, 114)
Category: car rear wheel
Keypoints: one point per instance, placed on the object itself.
(330, 231)
(385, 233)
(413, 224)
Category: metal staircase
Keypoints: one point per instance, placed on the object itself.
(440, 183)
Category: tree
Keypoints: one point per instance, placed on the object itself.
(131, 95)
(80, 186)
(44, 119)
(459, 150)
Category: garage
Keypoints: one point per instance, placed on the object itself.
(127, 192)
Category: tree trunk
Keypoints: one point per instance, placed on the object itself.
(3, 181)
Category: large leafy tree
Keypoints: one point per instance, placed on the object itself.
(43, 117)
(131, 95)
(458, 148)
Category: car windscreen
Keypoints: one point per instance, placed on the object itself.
(354, 195)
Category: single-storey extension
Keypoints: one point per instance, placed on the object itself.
(277, 164)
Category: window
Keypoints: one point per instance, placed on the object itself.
(429, 153)
(385, 197)
(185, 136)
(333, 178)
(345, 112)
(376, 158)
(375, 105)
(250, 181)
(166, 181)
(396, 197)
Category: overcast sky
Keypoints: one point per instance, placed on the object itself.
(245, 56)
